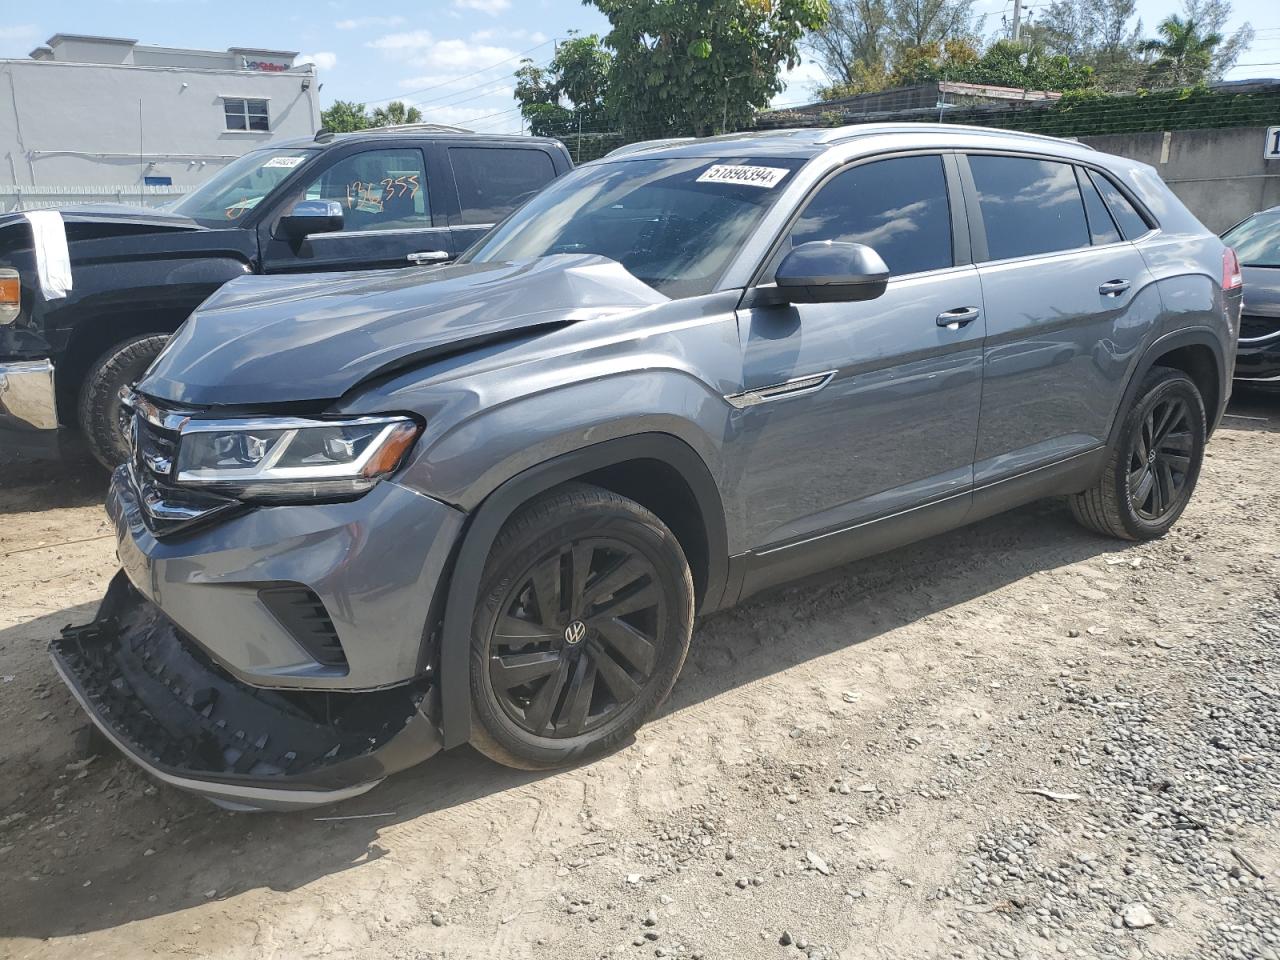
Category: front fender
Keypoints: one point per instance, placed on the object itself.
(487, 521)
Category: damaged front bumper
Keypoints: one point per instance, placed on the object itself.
(188, 722)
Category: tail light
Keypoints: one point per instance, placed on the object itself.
(1232, 279)
(10, 295)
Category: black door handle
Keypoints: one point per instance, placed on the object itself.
(957, 318)
(1113, 288)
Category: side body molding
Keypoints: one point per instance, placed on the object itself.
(487, 520)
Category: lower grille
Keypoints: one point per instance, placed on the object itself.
(303, 614)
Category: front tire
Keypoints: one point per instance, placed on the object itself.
(582, 626)
(1152, 470)
(100, 410)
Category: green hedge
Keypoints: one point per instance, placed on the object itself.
(1077, 115)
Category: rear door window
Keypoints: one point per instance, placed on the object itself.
(493, 181)
(1132, 225)
(1029, 206)
(378, 190)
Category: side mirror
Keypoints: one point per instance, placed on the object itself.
(311, 216)
(829, 271)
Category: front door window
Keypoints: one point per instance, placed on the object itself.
(378, 190)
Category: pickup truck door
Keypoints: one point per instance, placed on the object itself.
(491, 180)
(391, 200)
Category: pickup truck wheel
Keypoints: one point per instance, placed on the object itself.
(583, 623)
(1153, 467)
(101, 413)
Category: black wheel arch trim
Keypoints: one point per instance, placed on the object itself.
(487, 520)
(1186, 337)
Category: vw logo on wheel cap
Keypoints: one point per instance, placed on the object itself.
(575, 633)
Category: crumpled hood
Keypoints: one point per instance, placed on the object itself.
(262, 340)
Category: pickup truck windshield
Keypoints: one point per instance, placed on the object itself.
(674, 224)
(239, 186)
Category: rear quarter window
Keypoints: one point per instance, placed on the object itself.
(493, 181)
(1130, 221)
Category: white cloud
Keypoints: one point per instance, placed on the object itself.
(488, 36)
(462, 55)
(403, 42)
(359, 23)
(323, 59)
(491, 7)
(21, 31)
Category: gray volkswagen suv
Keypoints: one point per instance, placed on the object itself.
(372, 515)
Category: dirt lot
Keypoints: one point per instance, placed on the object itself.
(845, 769)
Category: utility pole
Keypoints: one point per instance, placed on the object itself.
(1017, 20)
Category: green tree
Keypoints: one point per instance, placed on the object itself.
(1102, 34)
(578, 75)
(394, 114)
(1004, 64)
(700, 66)
(1183, 52)
(865, 42)
(1213, 15)
(344, 116)
(853, 47)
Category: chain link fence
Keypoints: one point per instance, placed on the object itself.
(14, 198)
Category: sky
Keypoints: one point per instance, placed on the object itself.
(453, 59)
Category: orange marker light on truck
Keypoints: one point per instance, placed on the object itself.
(10, 295)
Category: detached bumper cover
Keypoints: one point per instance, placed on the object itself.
(175, 713)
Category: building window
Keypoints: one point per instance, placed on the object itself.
(246, 114)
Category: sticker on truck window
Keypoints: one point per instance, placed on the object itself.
(764, 177)
(287, 162)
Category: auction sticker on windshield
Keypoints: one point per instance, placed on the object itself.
(765, 177)
(288, 162)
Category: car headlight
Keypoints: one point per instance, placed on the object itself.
(282, 460)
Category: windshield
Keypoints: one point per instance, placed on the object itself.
(1257, 240)
(674, 224)
(239, 186)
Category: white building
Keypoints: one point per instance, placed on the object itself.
(93, 118)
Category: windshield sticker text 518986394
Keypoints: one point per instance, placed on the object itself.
(764, 177)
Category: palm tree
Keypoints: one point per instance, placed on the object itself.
(395, 113)
(1183, 55)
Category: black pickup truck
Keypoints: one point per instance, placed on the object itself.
(339, 202)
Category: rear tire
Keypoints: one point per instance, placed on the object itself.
(1153, 467)
(582, 626)
(100, 408)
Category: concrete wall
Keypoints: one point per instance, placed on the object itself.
(1219, 174)
(76, 124)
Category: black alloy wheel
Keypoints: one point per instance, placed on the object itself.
(581, 628)
(1160, 452)
(578, 637)
(1153, 463)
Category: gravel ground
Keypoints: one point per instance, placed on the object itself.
(1018, 740)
